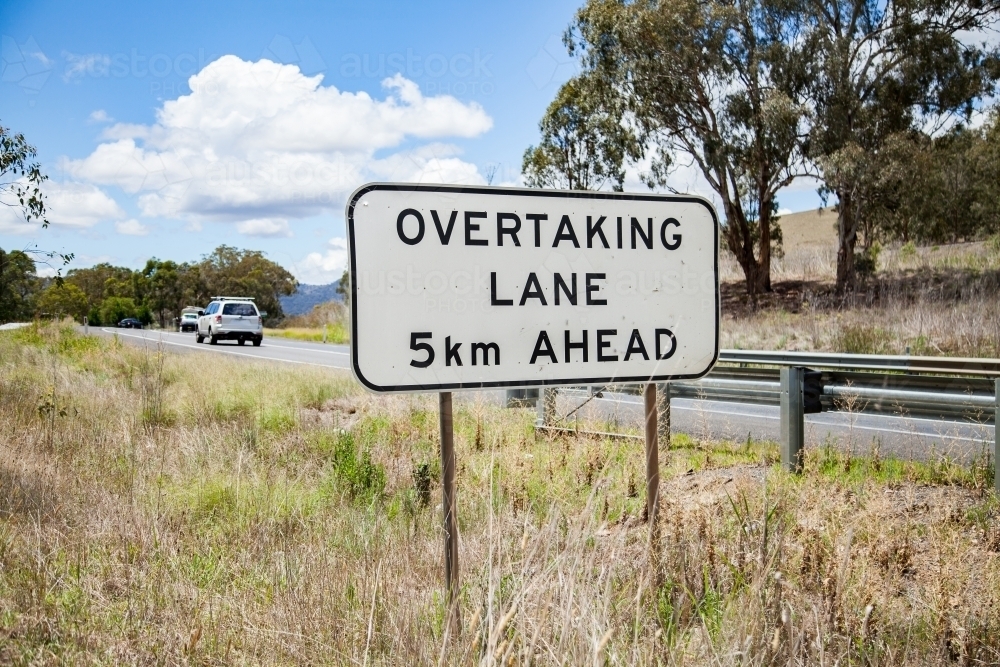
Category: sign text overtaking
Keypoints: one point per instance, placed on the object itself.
(470, 287)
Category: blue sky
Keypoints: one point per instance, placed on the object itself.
(170, 128)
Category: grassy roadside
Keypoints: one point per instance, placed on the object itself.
(283, 516)
(335, 333)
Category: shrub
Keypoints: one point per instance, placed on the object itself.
(61, 299)
(144, 315)
(115, 309)
(863, 339)
(353, 470)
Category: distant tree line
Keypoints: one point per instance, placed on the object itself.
(870, 97)
(106, 294)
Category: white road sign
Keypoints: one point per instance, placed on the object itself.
(470, 287)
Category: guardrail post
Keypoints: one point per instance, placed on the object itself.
(792, 418)
(86, 326)
(996, 439)
(546, 407)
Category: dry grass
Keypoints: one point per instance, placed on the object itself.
(283, 517)
(330, 318)
(934, 301)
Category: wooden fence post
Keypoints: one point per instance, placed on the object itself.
(450, 520)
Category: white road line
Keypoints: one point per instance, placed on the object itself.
(270, 343)
(195, 346)
(814, 422)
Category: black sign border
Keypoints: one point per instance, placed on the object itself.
(530, 192)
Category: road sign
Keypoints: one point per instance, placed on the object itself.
(471, 287)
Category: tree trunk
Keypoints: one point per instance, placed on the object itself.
(847, 237)
(737, 235)
(763, 276)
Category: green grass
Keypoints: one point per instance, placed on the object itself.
(146, 517)
(335, 334)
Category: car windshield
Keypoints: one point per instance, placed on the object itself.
(245, 309)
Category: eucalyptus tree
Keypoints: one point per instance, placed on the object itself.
(878, 69)
(719, 83)
(21, 181)
(585, 142)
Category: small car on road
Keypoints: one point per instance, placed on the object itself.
(130, 323)
(189, 322)
(230, 318)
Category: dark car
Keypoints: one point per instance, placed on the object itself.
(130, 323)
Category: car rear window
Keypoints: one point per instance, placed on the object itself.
(244, 309)
(190, 316)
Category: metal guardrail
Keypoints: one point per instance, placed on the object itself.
(934, 387)
(929, 387)
(867, 362)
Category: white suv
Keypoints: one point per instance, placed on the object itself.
(230, 318)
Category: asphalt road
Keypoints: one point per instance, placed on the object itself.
(901, 436)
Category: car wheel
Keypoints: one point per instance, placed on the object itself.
(212, 338)
(256, 342)
(198, 338)
(241, 341)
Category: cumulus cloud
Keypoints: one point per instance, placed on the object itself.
(323, 268)
(68, 204)
(100, 116)
(261, 140)
(79, 204)
(131, 227)
(264, 227)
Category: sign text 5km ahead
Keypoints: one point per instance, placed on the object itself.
(469, 287)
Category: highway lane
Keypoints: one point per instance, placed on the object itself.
(271, 349)
(901, 436)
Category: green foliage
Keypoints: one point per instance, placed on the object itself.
(114, 309)
(62, 299)
(584, 143)
(20, 177)
(863, 339)
(352, 469)
(714, 84)
(18, 286)
(144, 315)
(864, 108)
(164, 288)
(866, 262)
(344, 287)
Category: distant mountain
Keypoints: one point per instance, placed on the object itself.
(307, 296)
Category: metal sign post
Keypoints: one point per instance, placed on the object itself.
(476, 287)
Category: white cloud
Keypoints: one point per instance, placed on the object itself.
(131, 227)
(100, 116)
(260, 140)
(323, 268)
(265, 227)
(68, 204)
(79, 204)
(93, 64)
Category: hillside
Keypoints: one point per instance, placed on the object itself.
(813, 229)
(307, 296)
